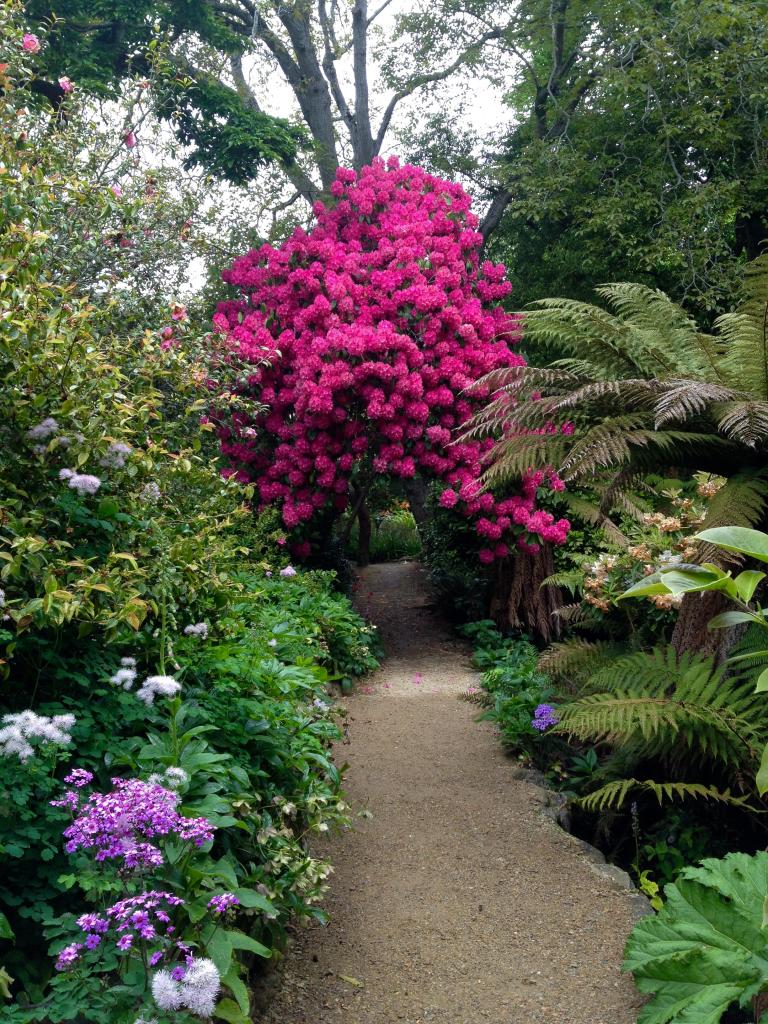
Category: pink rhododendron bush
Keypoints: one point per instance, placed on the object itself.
(364, 335)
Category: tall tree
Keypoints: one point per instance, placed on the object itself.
(638, 148)
(319, 48)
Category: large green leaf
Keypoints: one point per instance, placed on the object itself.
(706, 948)
(739, 539)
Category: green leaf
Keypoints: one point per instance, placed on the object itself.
(761, 779)
(705, 949)
(240, 940)
(235, 984)
(739, 539)
(251, 899)
(228, 1010)
(6, 932)
(725, 619)
(219, 949)
(107, 508)
(747, 583)
(762, 682)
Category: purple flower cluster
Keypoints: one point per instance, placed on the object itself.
(544, 717)
(221, 904)
(143, 917)
(116, 823)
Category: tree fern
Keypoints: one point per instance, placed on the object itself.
(682, 714)
(644, 387)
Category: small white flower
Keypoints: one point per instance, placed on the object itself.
(272, 643)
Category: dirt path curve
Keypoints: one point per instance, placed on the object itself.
(458, 902)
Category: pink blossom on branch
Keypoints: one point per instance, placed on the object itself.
(372, 326)
(30, 42)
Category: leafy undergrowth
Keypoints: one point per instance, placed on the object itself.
(244, 744)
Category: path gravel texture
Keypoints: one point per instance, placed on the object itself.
(457, 901)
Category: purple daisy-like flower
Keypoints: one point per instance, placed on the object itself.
(68, 956)
(79, 777)
(221, 904)
(117, 825)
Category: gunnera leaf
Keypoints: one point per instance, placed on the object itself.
(706, 948)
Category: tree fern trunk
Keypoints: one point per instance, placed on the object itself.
(520, 601)
(691, 632)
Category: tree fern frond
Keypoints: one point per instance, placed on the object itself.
(664, 704)
(683, 399)
(575, 658)
(570, 580)
(614, 794)
(741, 501)
(591, 513)
(745, 332)
(578, 615)
(745, 421)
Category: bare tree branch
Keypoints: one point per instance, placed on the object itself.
(436, 76)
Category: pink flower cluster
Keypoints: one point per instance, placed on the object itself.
(363, 336)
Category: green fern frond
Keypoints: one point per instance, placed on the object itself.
(591, 513)
(664, 705)
(741, 501)
(683, 399)
(575, 658)
(569, 579)
(614, 794)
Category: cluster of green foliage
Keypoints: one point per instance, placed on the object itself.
(117, 532)
(459, 582)
(512, 686)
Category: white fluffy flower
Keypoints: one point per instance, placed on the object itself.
(128, 662)
(157, 686)
(200, 987)
(2, 597)
(175, 777)
(18, 729)
(166, 991)
(45, 429)
(124, 677)
(197, 991)
(116, 454)
(199, 629)
(150, 492)
(83, 483)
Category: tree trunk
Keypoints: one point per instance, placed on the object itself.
(363, 536)
(416, 489)
(520, 601)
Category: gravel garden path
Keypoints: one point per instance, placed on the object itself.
(457, 901)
